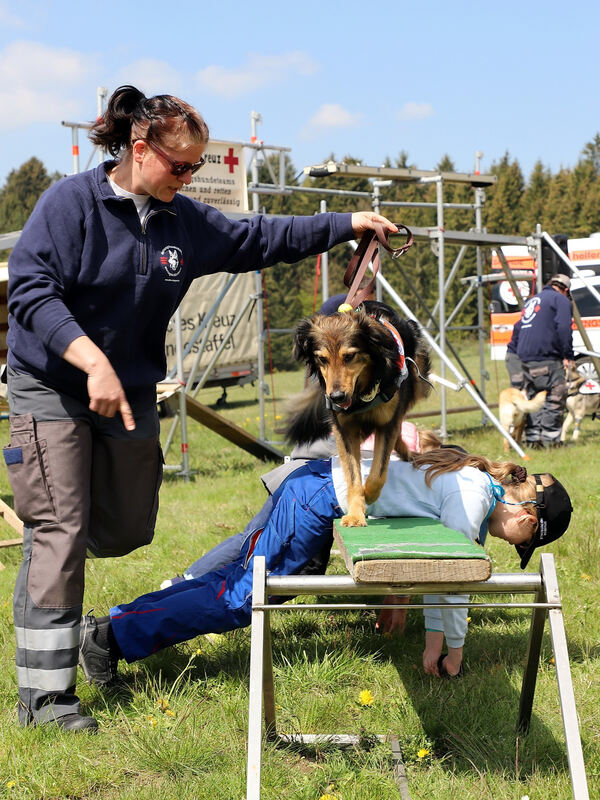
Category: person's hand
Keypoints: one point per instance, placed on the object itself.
(107, 396)
(392, 620)
(363, 221)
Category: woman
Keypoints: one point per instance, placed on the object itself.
(467, 493)
(99, 269)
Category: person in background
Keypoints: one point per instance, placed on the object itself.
(545, 348)
(99, 269)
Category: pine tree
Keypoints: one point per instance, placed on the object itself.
(535, 199)
(20, 194)
(561, 209)
(502, 211)
(591, 153)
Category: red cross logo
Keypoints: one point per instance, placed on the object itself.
(231, 160)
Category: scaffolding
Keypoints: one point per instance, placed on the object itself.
(437, 236)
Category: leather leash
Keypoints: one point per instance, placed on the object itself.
(368, 251)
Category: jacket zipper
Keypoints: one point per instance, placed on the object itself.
(144, 264)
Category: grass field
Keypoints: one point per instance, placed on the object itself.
(176, 726)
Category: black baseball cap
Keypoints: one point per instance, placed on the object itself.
(554, 514)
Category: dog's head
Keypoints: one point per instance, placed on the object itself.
(574, 379)
(348, 353)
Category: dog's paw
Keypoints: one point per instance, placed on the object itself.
(353, 521)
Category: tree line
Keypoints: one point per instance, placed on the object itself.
(565, 202)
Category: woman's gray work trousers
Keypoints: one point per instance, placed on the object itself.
(82, 484)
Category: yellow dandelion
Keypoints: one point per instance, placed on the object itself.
(585, 576)
(468, 619)
(152, 722)
(365, 698)
(198, 652)
(328, 797)
(162, 704)
(422, 753)
(551, 661)
(11, 784)
(170, 713)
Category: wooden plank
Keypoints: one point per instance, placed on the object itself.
(230, 431)
(9, 516)
(413, 570)
(405, 550)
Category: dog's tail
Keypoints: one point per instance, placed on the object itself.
(307, 418)
(529, 406)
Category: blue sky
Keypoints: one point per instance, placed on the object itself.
(363, 79)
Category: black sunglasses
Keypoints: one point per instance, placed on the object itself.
(177, 167)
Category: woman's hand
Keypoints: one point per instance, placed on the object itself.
(107, 396)
(363, 221)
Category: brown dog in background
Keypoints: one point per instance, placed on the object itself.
(513, 407)
(370, 367)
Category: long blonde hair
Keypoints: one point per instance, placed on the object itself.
(438, 461)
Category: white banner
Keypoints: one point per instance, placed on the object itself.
(221, 182)
(242, 346)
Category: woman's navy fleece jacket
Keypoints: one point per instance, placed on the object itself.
(85, 265)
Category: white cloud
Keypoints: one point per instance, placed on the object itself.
(40, 83)
(412, 110)
(8, 19)
(151, 76)
(330, 115)
(259, 70)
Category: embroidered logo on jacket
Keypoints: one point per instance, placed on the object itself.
(171, 258)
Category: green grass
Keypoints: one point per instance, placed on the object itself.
(322, 662)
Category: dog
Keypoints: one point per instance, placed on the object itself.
(513, 406)
(579, 405)
(369, 368)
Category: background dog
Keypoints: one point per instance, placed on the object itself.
(578, 405)
(513, 407)
(370, 368)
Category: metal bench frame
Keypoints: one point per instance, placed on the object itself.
(547, 603)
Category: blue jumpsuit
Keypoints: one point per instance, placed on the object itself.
(300, 523)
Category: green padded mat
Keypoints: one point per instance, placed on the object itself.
(406, 537)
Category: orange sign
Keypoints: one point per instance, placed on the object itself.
(501, 327)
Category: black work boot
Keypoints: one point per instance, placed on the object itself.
(74, 723)
(98, 658)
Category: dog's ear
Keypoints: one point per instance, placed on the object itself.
(302, 350)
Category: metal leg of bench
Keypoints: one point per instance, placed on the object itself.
(268, 683)
(257, 654)
(534, 647)
(565, 682)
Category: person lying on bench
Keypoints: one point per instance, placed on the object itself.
(466, 492)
